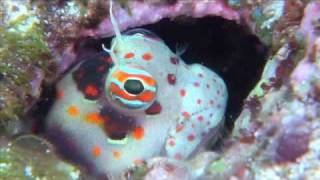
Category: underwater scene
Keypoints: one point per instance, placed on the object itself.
(159, 89)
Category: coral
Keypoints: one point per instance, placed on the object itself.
(279, 137)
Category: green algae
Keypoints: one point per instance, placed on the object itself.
(30, 157)
(22, 49)
(265, 34)
(265, 18)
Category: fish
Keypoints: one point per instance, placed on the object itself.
(136, 101)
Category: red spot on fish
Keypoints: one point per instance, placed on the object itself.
(182, 92)
(190, 137)
(200, 118)
(155, 108)
(147, 56)
(174, 60)
(177, 156)
(171, 142)
(101, 68)
(60, 94)
(199, 101)
(196, 84)
(211, 102)
(171, 79)
(108, 59)
(91, 90)
(129, 55)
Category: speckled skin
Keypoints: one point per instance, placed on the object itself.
(192, 100)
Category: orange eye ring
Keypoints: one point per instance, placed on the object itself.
(131, 87)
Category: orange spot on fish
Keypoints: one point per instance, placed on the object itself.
(179, 127)
(185, 115)
(73, 111)
(138, 162)
(129, 55)
(138, 133)
(94, 117)
(116, 154)
(147, 56)
(96, 151)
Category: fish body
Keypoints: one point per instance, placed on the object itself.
(134, 102)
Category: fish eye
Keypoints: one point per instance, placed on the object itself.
(133, 86)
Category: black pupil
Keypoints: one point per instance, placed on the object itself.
(133, 86)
